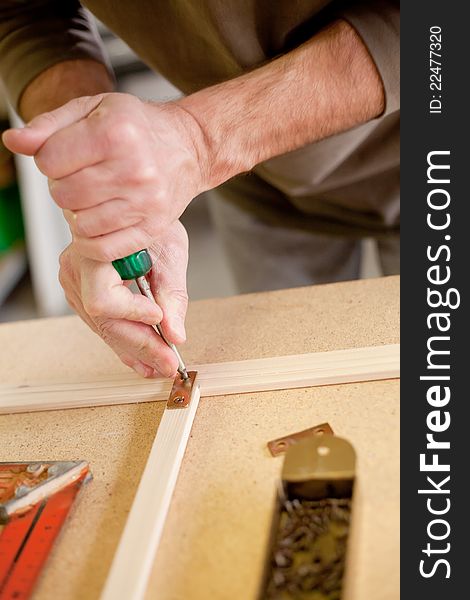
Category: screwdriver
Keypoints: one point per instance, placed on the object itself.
(136, 266)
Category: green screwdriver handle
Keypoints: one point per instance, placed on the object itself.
(133, 266)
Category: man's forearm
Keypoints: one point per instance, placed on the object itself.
(327, 85)
(63, 82)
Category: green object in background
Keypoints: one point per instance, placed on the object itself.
(11, 220)
(133, 266)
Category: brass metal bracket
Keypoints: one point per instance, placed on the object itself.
(280, 445)
(181, 392)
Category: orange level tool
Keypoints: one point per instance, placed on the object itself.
(35, 499)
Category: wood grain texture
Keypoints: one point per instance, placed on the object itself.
(217, 379)
(133, 561)
(213, 543)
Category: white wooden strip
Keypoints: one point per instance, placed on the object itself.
(215, 379)
(135, 555)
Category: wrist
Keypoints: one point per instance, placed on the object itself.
(193, 135)
(220, 144)
(62, 82)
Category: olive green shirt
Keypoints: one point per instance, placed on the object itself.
(348, 183)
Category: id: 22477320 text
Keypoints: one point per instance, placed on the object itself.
(435, 68)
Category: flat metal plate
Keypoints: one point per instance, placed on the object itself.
(23, 484)
(181, 392)
(280, 445)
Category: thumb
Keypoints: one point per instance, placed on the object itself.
(29, 139)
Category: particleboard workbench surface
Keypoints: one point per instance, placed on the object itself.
(214, 542)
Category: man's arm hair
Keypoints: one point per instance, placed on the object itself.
(326, 86)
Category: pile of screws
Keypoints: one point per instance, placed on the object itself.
(309, 550)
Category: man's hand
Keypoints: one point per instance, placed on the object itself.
(124, 170)
(97, 293)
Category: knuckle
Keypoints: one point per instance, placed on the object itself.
(47, 119)
(122, 131)
(125, 103)
(59, 194)
(66, 269)
(107, 330)
(147, 174)
(143, 346)
(64, 260)
(82, 227)
(160, 196)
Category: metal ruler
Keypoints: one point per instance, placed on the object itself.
(35, 499)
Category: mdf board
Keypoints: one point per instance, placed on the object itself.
(214, 540)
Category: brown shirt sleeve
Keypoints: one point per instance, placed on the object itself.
(36, 34)
(378, 24)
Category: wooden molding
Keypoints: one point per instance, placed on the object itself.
(215, 379)
(134, 558)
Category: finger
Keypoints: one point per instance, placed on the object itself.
(101, 181)
(28, 139)
(168, 280)
(70, 284)
(140, 342)
(138, 366)
(102, 219)
(104, 296)
(129, 360)
(111, 246)
(70, 150)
